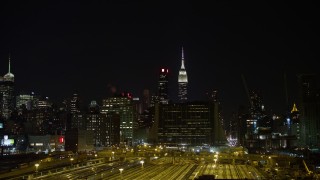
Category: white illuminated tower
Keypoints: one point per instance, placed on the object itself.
(9, 76)
(7, 93)
(182, 81)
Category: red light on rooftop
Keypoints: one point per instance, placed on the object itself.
(61, 139)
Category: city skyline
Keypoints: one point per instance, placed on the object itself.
(59, 47)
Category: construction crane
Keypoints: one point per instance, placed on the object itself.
(307, 169)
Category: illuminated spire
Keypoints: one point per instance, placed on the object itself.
(182, 59)
(182, 56)
(182, 81)
(9, 76)
(294, 108)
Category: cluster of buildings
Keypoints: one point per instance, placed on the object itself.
(32, 123)
(296, 129)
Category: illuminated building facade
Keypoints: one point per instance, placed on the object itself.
(78, 119)
(258, 125)
(97, 123)
(75, 104)
(7, 93)
(163, 86)
(257, 110)
(295, 125)
(113, 129)
(121, 104)
(182, 81)
(190, 124)
(26, 100)
(42, 115)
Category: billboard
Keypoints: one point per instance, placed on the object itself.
(6, 141)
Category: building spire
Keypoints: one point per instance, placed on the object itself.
(182, 59)
(9, 76)
(182, 54)
(9, 62)
(182, 81)
(294, 108)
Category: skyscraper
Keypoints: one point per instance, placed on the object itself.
(25, 101)
(75, 103)
(163, 86)
(123, 106)
(97, 123)
(182, 81)
(7, 93)
(192, 123)
(309, 109)
(257, 112)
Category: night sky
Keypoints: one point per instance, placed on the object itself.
(61, 46)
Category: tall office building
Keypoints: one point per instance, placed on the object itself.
(75, 103)
(294, 125)
(257, 112)
(78, 118)
(7, 93)
(182, 81)
(309, 109)
(25, 100)
(97, 123)
(163, 86)
(113, 129)
(190, 124)
(121, 104)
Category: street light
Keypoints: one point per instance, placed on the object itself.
(71, 159)
(142, 163)
(121, 169)
(112, 155)
(37, 165)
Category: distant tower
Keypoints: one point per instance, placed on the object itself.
(7, 93)
(295, 125)
(163, 86)
(182, 81)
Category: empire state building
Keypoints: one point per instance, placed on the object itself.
(182, 81)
